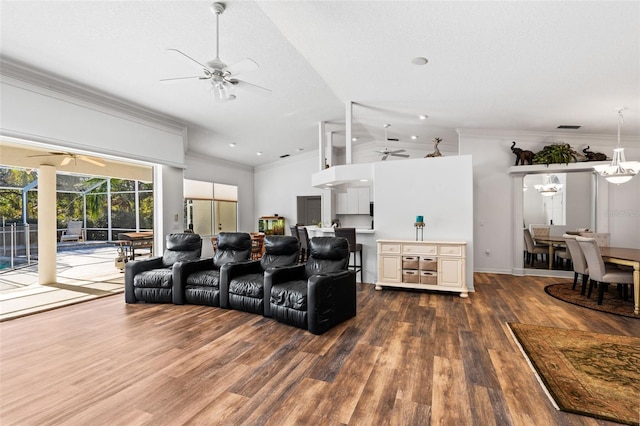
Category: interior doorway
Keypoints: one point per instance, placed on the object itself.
(309, 210)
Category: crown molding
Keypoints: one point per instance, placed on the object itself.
(39, 81)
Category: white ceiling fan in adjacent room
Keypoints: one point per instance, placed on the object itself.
(68, 157)
(220, 75)
(386, 152)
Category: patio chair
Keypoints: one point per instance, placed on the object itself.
(74, 232)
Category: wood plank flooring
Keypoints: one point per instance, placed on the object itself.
(408, 358)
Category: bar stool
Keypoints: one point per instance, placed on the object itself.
(354, 247)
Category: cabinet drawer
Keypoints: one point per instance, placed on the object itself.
(428, 264)
(450, 251)
(410, 262)
(410, 277)
(419, 249)
(428, 277)
(389, 248)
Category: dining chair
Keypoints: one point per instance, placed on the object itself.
(533, 249)
(578, 261)
(602, 238)
(304, 243)
(599, 272)
(538, 231)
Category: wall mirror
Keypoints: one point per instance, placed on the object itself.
(564, 201)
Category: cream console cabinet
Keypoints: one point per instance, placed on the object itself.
(427, 265)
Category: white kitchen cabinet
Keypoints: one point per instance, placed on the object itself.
(354, 201)
(427, 265)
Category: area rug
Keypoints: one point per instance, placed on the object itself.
(592, 374)
(610, 303)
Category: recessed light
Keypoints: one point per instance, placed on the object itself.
(364, 180)
(258, 153)
(414, 137)
(419, 61)
(329, 184)
(232, 145)
(354, 139)
(423, 117)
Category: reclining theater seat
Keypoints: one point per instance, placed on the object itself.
(151, 280)
(242, 284)
(317, 295)
(198, 282)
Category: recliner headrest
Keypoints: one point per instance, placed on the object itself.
(280, 244)
(329, 248)
(183, 242)
(234, 241)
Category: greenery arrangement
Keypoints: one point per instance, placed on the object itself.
(555, 153)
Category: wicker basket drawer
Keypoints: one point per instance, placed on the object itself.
(428, 264)
(410, 262)
(410, 277)
(428, 277)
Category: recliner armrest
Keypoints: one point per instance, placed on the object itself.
(331, 299)
(278, 275)
(135, 267)
(181, 270)
(230, 270)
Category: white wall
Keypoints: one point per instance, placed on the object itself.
(278, 184)
(493, 192)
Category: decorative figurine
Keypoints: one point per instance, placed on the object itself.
(437, 152)
(594, 156)
(522, 156)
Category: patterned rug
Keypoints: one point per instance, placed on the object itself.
(592, 374)
(610, 303)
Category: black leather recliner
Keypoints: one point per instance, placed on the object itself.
(317, 295)
(242, 284)
(198, 282)
(151, 280)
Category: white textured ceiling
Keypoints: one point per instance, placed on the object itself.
(501, 65)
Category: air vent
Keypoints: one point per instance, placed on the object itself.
(569, 126)
(284, 156)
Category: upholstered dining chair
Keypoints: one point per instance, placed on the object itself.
(316, 295)
(578, 261)
(599, 272)
(533, 249)
(151, 280)
(198, 282)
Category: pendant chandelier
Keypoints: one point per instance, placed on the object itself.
(551, 186)
(619, 171)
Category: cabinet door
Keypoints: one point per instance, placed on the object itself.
(363, 200)
(389, 268)
(352, 200)
(341, 203)
(450, 272)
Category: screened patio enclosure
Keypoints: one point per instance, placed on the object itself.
(106, 206)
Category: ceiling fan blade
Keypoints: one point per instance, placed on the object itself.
(65, 161)
(400, 155)
(393, 139)
(172, 80)
(193, 62)
(245, 65)
(384, 157)
(250, 87)
(91, 160)
(398, 151)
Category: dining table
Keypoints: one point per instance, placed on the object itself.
(552, 241)
(628, 257)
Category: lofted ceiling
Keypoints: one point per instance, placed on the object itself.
(513, 65)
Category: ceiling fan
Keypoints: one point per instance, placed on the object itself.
(386, 152)
(69, 156)
(220, 75)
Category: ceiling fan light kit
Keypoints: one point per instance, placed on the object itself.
(220, 75)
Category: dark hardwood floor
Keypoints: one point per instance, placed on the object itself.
(408, 358)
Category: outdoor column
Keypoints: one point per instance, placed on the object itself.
(47, 226)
